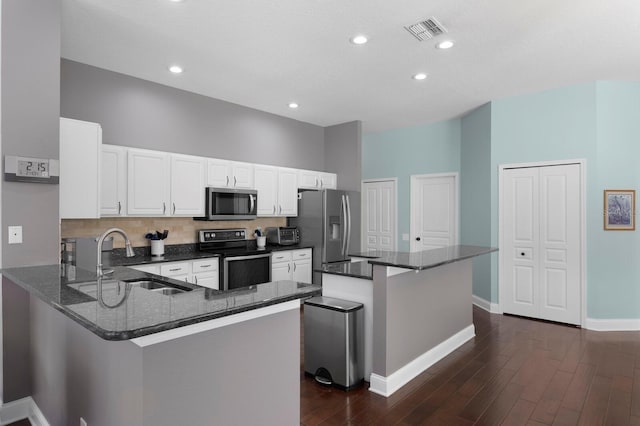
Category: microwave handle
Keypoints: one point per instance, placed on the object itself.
(251, 203)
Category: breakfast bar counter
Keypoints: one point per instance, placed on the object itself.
(134, 348)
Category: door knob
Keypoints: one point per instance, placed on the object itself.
(417, 238)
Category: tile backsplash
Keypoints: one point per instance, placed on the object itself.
(182, 230)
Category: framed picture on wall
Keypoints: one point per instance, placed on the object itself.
(619, 209)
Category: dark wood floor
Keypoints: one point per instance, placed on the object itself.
(514, 372)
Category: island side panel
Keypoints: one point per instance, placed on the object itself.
(422, 310)
(245, 373)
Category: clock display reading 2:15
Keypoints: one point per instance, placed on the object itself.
(33, 168)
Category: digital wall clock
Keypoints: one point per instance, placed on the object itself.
(27, 169)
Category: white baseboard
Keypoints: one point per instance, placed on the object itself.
(386, 386)
(481, 303)
(612, 324)
(25, 408)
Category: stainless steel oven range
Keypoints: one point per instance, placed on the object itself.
(243, 264)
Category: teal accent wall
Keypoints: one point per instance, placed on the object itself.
(400, 153)
(614, 256)
(557, 124)
(598, 122)
(475, 193)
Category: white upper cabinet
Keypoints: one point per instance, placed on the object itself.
(147, 182)
(267, 187)
(113, 181)
(328, 180)
(187, 185)
(277, 191)
(229, 174)
(311, 179)
(287, 192)
(80, 146)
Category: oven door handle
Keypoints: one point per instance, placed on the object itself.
(255, 256)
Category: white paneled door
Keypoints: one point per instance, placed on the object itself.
(379, 215)
(434, 211)
(541, 242)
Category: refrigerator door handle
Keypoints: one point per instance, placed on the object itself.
(346, 249)
(343, 249)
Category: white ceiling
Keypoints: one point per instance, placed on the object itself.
(265, 53)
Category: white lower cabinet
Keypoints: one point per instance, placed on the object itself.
(291, 265)
(202, 272)
(302, 271)
(205, 273)
(281, 265)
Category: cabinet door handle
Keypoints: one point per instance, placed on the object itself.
(302, 254)
(235, 181)
(174, 208)
(294, 267)
(321, 182)
(279, 209)
(175, 269)
(164, 208)
(205, 266)
(288, 267)
(227, 184)
(316, 182)
(274, 209)
(119, 207)
(196, 277)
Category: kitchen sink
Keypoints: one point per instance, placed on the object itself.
(158, 286)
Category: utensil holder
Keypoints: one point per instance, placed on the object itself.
(157, 247)
(261, 241)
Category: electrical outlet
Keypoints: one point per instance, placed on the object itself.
(15, 235)
(82, 422)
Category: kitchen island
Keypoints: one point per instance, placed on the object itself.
(118, 351)
(418, 307)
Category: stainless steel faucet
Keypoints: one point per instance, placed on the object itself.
(127, 245)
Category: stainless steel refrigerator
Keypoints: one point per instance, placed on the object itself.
(329, 221)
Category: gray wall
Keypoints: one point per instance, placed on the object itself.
(16, 372)
(343, 154)
(139, 113)
(30, 125)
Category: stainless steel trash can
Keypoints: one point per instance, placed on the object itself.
(334, 341)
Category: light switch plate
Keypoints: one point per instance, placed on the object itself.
(405, 237)
(15, 234)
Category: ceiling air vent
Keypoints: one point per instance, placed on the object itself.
(424, 30)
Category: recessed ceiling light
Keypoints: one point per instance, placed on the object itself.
(176, 1)
(447, 44)
(359, 39)
(420, 76)
(175, 69)
(293, 105)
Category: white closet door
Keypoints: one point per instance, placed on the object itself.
(541, 243)
(379, 215)
(434, 205)
(521, 225)
(560, 243)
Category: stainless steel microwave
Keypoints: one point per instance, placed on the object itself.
(230, 204)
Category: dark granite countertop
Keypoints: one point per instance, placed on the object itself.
(362, 269)
(126, 311)
(173, 253)
(423, 259)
